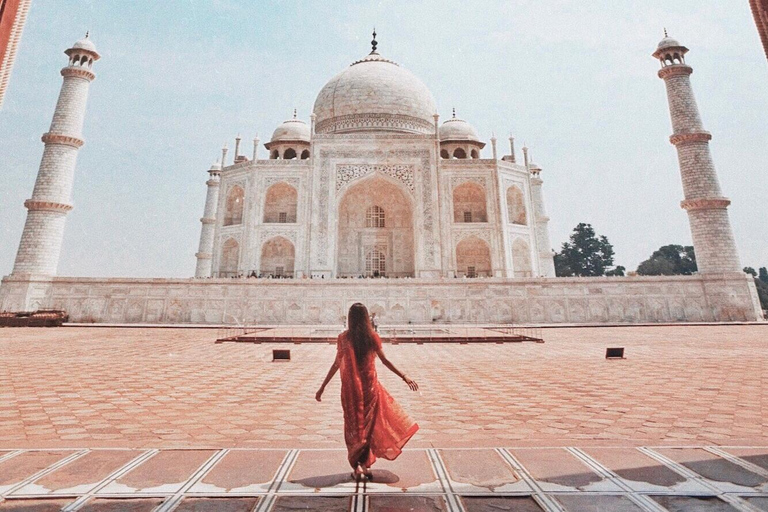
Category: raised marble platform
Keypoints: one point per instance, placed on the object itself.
(699, 298)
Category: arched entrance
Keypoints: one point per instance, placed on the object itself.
(473, 258)
(277, 258)
(375, 235)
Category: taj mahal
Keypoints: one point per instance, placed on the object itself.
(374, 199)
(375, 186)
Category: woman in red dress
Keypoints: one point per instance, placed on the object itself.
(374, 424)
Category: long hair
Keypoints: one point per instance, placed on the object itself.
(360, 330)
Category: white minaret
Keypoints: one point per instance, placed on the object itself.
(40, 245)
(541, 225)
(204, 253)
(707, 208)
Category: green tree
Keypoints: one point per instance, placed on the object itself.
(618, 271)
(750, 271)
(763, 275)
(586, 254)
(669, 260)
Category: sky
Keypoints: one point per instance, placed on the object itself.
(572, 79)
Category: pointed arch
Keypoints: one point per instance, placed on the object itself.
(469, 204)
(281, 203)
(473, 257)
(516, 206)
(233, 211)
(230, 258)
(521, 258)
(278, 258)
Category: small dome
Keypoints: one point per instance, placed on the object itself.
(291, 130)
(458, 129)
(534, 167)
(215, 166)
(375, 94)
(85, 44)
(668, 42)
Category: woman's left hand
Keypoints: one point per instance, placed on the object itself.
(319, 394)
(411, 383)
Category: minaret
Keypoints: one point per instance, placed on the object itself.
(204, 253)
(541, 225)
(43, 233)
(707, 208)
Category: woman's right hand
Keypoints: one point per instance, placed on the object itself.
(411, 383)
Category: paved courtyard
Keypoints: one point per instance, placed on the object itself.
(165, 419)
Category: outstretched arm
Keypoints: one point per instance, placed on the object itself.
(331, 372)
(411, 383)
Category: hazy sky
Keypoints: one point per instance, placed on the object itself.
(572, 78)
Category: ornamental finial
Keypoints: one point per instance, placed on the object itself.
(87, 33)
(665, 32)
(454, 112)
(294, 113)
(373, 41)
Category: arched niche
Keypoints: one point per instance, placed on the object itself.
(473, 257)
(230, 258)
(280, 203)
(278, 257)
(521, 258)
(375, 214)
(469, 203)
(233, 210)
(516, 206)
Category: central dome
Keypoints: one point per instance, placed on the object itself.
(375, 94)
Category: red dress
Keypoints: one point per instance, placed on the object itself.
(374, 424)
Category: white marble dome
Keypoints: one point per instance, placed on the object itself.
(668, 42)
(374, 94)
(85, 44)
(291, 130)
(458, 130)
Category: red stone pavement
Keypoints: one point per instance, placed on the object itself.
(164, 388)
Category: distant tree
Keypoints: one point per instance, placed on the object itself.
(618, 271)
(586, 254)
(750, 271)
(761, 283)
(763, 275)
(669, 260)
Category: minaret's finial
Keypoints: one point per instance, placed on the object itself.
(665, 32)
(454, 112)
(294, 113)
(373, 41)
(87, 33)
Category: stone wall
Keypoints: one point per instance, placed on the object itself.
(723, 297)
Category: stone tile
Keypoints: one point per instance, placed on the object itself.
(36, 505)
(691, 504)
(242, 471)
(318, 503)
(558, 470)
(391, 503)
(217, 505)
(411, 472)
(500, 504)
(164, 473)
(760, 503)
(757, 456)
(320, 469)
(23, 466)
(81, 475)
(638, 470)
(574, 503)
(712, 467)
(483, 469)
(121, 505)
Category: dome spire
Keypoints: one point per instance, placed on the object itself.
(374, 43)
(665, 32)
(454, 113)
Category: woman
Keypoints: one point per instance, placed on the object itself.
(374, 424)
